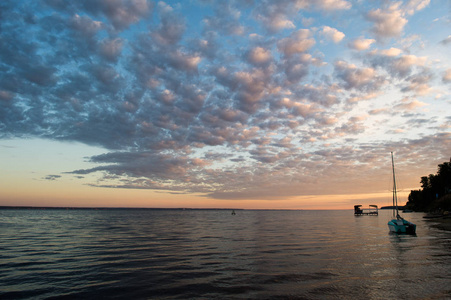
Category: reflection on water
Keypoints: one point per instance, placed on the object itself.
(212, 254)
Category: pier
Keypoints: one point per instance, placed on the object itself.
(371, 211)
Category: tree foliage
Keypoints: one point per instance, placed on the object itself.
(434, 191)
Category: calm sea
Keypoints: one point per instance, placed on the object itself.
(211, 254)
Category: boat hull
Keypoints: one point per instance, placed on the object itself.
(402, 226)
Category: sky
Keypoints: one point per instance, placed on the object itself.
(221, 104)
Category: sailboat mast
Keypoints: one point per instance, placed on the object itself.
(395, 198)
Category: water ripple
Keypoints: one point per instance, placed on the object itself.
(169, 254)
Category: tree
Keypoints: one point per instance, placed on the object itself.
(444, 172)
(434, 189)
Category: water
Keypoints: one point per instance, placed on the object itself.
(210, 254)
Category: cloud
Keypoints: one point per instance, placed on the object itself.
(252, 85)
(446, 76)
(295, 70)
(171, 28)
(404, 64)
(237, 100)
(85, 25)
(226, 20)
(358, 78)
(409, 105)
(324, 95)
(331, 5)
(120, 13)
(446, 41)
(411, 6)
(111, 48)
(332, 34)
(419, 83)
(391, 52)
(276, 22)
(361, 44)
(298, 42)
(207, 46)
(259, 56)
(305, 110)
(378, 111)
(388, 22)
(5, 96)
(247, 87)
(365, 96)
(52, 177)
(280, 15)
(276, 16)
(400, 66)
(184, 61)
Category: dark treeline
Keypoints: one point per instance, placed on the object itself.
(435, 192)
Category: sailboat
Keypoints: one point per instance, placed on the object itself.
(398, 224)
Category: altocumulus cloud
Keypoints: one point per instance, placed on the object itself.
(233, 99)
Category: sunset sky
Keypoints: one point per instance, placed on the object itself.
(221, 104)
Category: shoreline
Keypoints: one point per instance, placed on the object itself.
(441, 223)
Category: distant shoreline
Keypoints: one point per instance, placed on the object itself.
(392, 207)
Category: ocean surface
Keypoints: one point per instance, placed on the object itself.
(211, 254)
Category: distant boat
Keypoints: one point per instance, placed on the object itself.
(233, 212)
(398, 224)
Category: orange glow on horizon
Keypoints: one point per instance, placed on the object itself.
(85, 196)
